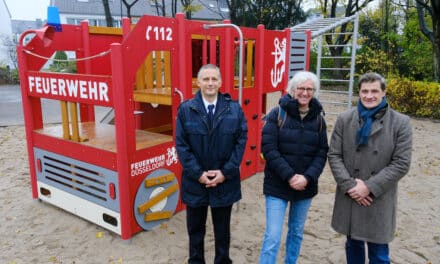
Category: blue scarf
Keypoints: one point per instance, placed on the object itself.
(367, 115)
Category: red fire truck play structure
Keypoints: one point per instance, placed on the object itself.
(125, 175)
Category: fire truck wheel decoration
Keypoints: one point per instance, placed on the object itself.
(156, 199)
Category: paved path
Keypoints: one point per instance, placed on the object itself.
(11, 109)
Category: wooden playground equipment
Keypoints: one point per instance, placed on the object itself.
(125, 175)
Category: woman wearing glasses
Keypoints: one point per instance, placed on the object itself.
(294, 145)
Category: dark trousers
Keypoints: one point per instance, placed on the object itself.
(355, 252)
(196, 226)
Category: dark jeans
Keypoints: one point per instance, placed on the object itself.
(196, 226)
(355, 252)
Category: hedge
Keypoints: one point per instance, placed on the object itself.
(415, 98)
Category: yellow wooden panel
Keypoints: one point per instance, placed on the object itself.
(249, 55)
(74, 121)
(140, 78)
(153, 99)
(102, 136)
(201, 37)
(149, 71)
(157, 216)
(159, 180)
(65, 120)
(155, 96)
(167, 68)
(105, 30)
(158, 69)
(160, 129)
(159, 197)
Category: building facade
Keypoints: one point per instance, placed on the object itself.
(75, 11)
(5, 35)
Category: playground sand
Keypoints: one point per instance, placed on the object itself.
(36, 232)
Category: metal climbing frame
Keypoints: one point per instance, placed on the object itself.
(321, 27)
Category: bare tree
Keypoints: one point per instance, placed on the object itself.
(330, 8)
(431, 8)
(128, 6)
(217, 9)
(236, 10)
(108, 15)
(273, 14)
(160, 7)
(10, 43)
(173, 8)
(189, 7)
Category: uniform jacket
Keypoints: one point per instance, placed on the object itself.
(296, 147)
(380, 164)
(201, 149)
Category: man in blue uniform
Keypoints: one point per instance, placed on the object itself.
(211, 135)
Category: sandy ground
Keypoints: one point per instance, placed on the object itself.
(36, 232)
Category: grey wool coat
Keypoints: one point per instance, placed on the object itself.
(380, 164)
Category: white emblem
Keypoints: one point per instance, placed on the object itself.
(171, 156)
(279, 66)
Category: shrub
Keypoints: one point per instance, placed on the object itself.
(415, 98)
(8, 76)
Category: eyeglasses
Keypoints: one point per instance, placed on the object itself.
(305, 89)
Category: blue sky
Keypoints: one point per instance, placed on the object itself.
(28, 9)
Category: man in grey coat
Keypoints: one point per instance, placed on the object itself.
(370, 151)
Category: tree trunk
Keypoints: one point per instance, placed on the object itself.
(129, 6)
(173, 8)
(436, 62)
(108, 15)
(434, 35)
(436, 43)
(386, 27)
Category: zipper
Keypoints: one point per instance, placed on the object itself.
(214, 118)
(204, 116)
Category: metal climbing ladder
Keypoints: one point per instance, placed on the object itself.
(320, 28)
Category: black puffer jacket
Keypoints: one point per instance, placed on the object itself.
(297, 147)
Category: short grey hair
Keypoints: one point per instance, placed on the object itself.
(209, 66)
(301, 77)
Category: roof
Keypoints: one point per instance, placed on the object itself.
(210, 9)
(19, 26)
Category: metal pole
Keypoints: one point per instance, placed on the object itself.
(240, 58)
(120, 6)
(353, 59)
(319, 58)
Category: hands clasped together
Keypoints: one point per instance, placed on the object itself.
(212, 178)
(360, 193)
(298, 182)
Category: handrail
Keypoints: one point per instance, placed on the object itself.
(240, 58)
(177, 91)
